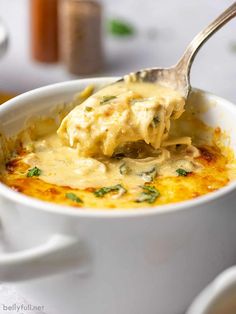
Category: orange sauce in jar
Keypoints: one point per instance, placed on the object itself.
(44, 41)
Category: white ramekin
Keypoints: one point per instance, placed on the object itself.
(153, 260)
(219, 297)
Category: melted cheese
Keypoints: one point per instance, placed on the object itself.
(120, 136)
(61, 165)
(212, 176)
(120, 113)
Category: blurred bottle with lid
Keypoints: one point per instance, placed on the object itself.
(80, 36)
(44, 30)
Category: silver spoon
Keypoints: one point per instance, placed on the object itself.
(177, 77)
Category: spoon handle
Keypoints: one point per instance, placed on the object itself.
(184, 64)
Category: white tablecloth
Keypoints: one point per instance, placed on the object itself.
(11, 302)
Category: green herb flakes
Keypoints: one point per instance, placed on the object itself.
(73, 197)
(182, 172)
(149, 176)
(116, 188)
(106, 99)
(120, 28)
(124, 169)
(88, 109)
(34, 172)
(149, 194)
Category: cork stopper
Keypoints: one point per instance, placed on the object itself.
(80, 36)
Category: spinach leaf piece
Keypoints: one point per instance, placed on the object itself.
(106, 99)
(150, 175)
(182, 172)
(149, 194)
(124, 169)
(115, 188)
(34, 172)
(73, 197)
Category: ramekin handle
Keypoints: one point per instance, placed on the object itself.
(60, 254)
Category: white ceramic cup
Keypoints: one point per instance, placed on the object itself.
(219, 297)
(153, 260)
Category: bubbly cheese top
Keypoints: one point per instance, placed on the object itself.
(61, 164)
(128, 120)
(122, 147)
(125, 112)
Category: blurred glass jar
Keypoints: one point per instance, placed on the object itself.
(43, 27)
(3, 39)
(80, 36)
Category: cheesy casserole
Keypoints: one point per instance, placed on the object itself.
(129, 145)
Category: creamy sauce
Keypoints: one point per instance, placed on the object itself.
(147, 159)
(61, 165)
(120, 113)
(131, 120)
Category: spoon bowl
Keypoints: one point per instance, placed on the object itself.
(172, 77)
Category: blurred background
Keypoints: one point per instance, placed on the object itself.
(111, 38)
